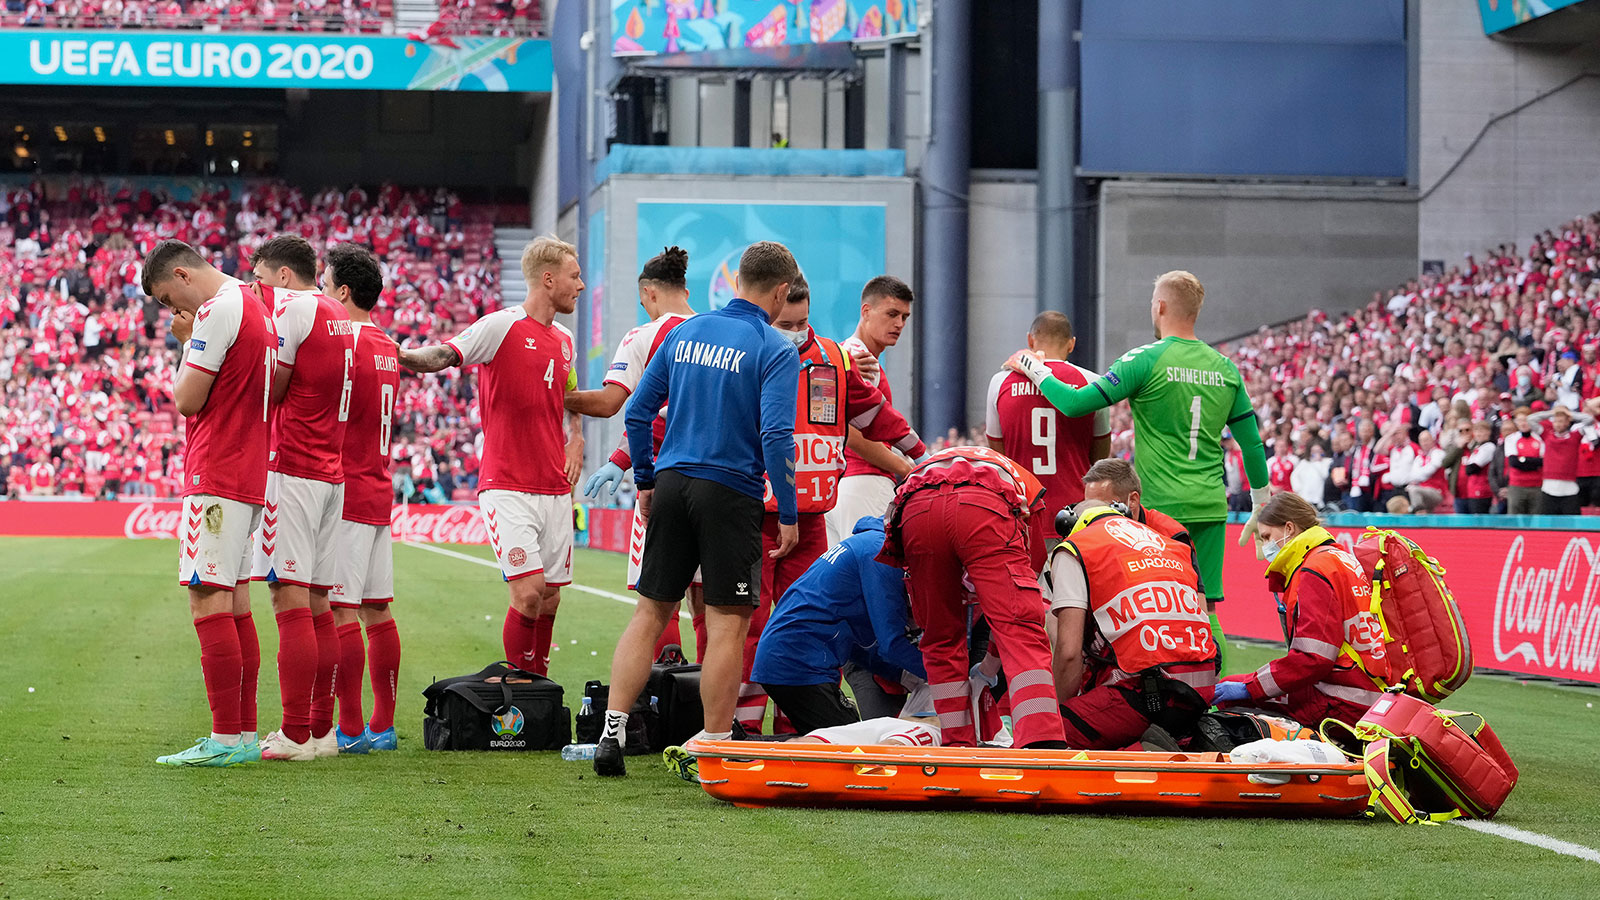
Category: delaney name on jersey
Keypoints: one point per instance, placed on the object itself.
(713, 356)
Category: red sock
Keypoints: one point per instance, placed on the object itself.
(383, 656)
(673, 635)
(327, 666)
(347, 683)
(250, 651)
(518, 636)
(699, 623)
(543, 629)
(297, 671)
(219, 662)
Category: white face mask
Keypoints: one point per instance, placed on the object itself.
(1270, 549)
(797, 338)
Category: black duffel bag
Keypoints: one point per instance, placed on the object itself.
(499, 708)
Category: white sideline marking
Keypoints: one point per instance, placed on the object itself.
(1565, 848)
(631, 601)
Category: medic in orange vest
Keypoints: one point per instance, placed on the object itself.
(832, 397)
(1134, 593)
(1336, 664)
(964, 512)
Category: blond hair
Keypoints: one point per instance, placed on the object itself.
(1184, 293)
(543, 254)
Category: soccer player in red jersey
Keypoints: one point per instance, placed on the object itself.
(871, 469)
(223, 392)
(664, 294)
(1056, 448)
(305, 493)
(524, 360)
(363, 579)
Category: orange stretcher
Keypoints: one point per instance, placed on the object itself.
(761, 773)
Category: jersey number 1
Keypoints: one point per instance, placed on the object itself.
(1194, 427)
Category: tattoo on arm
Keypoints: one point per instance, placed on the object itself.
(430, 359)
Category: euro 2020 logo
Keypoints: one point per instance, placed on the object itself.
(509, 724)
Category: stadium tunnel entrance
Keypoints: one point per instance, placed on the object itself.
(481, 143)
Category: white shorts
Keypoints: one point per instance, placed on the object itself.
(885, 731)
(636, 553)
(363, 565)
(215, 547)
(295, 542)
(531, 534)
(859, 495)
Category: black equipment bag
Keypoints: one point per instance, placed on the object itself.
(499, 708)
(1225, 729)
(588, 727)
(674, 712)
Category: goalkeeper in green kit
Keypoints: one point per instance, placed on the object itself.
(1183, 394)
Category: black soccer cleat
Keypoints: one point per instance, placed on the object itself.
(608, 759)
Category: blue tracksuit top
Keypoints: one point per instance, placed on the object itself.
(732, 382)
(847, 607)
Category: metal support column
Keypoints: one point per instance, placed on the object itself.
(1059, 194)
(741, 113)
(894, 58)
(945, 176)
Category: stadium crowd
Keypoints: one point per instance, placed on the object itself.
(1473, 390)
(350, 16)
(86, 364)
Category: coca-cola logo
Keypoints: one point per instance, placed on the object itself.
(147, 520)
(1549, 615)
(438, 524)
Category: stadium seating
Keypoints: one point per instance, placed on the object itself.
(86, 366)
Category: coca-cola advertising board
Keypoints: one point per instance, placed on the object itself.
(1530, 597)
(159, 519)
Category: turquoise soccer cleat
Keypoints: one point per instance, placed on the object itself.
(381, 740)
(361, 743)
(205, 753)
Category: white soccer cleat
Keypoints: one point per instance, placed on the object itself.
(276, 746)
(327, 745)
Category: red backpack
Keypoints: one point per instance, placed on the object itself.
(1427, 765)
(1424, 636)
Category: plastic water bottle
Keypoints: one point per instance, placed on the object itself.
(655, 704)
(573, 752)
(588, 707)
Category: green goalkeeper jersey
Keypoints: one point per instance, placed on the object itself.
(1183, 393)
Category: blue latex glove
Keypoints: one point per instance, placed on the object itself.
(1230, 692)
(919, 460)
(608, 474)
(992, 681)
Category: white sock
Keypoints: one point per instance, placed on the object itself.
(616, 727)
(226, 740)
(708, 736)
(249, 737)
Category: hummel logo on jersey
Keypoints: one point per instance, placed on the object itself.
(713, 356)
(530, 343)
(744, 588)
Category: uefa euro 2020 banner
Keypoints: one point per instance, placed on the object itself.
(279, 60)
(839, 246)
(644, 27)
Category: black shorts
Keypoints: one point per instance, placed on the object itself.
(813, 706)
(696, 523)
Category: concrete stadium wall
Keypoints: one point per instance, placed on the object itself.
(1265, 253)
(1002, 281)
(1533, 170)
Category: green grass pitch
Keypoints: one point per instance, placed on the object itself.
(101, 632)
